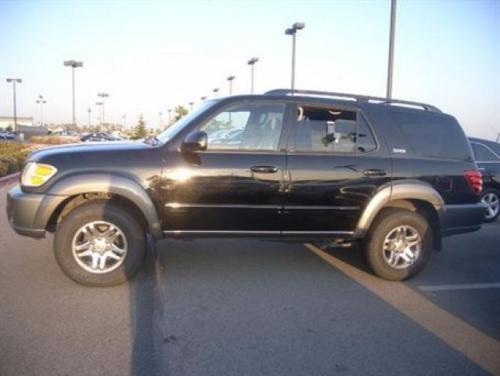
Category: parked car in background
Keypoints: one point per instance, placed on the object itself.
(487, 155)
(100, 137)
(7, 136)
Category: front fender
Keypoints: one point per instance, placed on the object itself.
(93, 183)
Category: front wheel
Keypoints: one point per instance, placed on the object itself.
(491, 198)
(99, 244)
(399, 244)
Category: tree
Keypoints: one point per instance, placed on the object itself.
(140, 129)
(180, 112)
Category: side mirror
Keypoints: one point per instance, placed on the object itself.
(195, 141)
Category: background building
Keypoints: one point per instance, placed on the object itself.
(8, 121)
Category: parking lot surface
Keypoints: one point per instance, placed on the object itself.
(248, 307)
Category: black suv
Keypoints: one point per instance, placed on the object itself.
(394, 175)
(487, 154)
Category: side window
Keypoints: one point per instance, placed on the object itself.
(432, 135)
(246, 127)
(482, 153)
(332, 130)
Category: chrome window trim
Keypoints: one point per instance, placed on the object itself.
(175, 205)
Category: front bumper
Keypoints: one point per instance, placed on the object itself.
(21, 211)
(29, 213)
(458, 219)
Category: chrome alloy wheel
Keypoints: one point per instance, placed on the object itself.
(402, 247)
(99, 247)
(492, 203)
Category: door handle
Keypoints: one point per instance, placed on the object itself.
(264, 169)
(374, 172)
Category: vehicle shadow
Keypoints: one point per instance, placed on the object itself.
(143, 310)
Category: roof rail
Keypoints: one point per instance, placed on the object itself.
(358, 98)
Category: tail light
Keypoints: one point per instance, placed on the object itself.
(475, 180)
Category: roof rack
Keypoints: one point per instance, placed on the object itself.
(358, 98)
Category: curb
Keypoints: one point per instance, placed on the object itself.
(9, 179)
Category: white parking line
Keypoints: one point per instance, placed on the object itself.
(466, 286)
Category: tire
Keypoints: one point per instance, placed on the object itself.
(384, 233)
(491, 198)
(100, 230)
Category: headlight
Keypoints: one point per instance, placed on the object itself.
(36, 174)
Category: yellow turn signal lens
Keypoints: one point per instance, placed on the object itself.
(37, 174)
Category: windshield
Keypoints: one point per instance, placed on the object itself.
(175, 128)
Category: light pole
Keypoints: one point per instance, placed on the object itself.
(89, 111)
(102, 111)
(252, 62)
(14, 82)
(293, 32)
(169, 116)
(203, 99)
(191, 106)
(215, 90)
(392, 36)
(73, 64)
(103, 96)
(230, 80)
(41, 102)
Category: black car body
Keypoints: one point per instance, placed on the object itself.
(487, 155)
(310, 165)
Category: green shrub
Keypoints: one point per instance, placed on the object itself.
(11, 163)
(12, 157)
(3, 169)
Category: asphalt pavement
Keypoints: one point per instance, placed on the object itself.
(249, 307)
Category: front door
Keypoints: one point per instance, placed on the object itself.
(234, 186)
(335, 166)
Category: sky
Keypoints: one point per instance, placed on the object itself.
(153, 55)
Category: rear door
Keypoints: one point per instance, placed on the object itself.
(335, 165)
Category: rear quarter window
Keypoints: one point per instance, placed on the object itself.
(434, 136)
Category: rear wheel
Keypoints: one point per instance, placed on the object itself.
(491, 198)
(399, 244)
(99, 244)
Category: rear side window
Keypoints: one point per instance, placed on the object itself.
(482, 153)
(433, 137)
(332, 130)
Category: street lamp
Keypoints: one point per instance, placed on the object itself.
(392, 36)
(252, 62)
(89, 111)
(41, 102)
(73, 64)
(14, 82)
(103, 96)
(102, 111)
(203, 99)
(169, 116)
(191, 106)
(293, 32)
(215, 90)
(230, 80)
